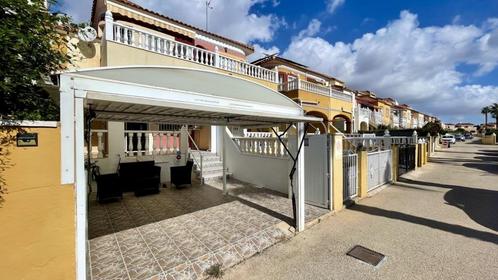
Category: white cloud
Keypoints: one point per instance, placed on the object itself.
(332, 5)
(311, 30)
(413, 64)
(231, 18)
(260, 52)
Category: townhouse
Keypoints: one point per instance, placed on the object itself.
(319, 94)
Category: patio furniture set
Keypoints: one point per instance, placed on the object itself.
(142, 178)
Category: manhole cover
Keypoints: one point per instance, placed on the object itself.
(366, 255)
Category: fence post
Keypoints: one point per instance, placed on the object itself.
(362, 174)
(426, 152)
(395, 162)
(336, 173)
(416, 155)
(420, 154)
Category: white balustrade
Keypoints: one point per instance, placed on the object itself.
(166, 46)
(98, 143)
(151, 142)
(312, 87)
(262, 146)
(315, 88)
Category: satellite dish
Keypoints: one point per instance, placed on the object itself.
(87, 34)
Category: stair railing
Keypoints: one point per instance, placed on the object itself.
(200, 165)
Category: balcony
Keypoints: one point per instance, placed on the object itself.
(141, 39)
(314, 88)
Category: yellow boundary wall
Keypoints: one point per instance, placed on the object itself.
(37, 239)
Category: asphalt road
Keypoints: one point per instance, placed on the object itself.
(439, 222)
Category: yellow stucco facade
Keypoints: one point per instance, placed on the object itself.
(386, 112)
(37, 240)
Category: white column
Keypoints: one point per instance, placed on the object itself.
(81, 191)
(184, 141)
(108, 26)
(214, 141)
(100, 145)
(224, 158)
(299, 187)
(67, 130)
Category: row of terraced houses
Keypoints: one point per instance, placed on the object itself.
(151, 97)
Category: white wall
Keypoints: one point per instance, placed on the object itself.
(268, 172)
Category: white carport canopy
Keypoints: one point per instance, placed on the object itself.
(184, 96)
(167, 95)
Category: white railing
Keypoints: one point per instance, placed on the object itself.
(98, 146)
(166, 46)
(251, 70)
(289, 86)
(315, 88)
(355, 142)
(262, 146)
(198, 161)
(258, 134)
(146, 142)
(312, 87)
(341, 95)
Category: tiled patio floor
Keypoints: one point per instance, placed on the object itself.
(178, 234)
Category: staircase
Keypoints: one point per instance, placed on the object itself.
(212, 166)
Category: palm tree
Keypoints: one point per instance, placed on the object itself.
(494, 112)
(485, 111)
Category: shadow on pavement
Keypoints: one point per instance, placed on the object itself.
(456, 229)
(480, 205)
(483, 167)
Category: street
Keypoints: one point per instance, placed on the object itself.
(438, 222)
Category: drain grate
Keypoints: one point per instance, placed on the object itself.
(366, 255)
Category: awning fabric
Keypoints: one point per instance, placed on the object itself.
(130, 14)
(184, 96)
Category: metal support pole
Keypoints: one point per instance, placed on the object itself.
(224, 159)
(300, 179)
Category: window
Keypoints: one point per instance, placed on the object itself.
(169, 127)
(136, 126)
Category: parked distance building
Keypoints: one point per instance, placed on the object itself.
(372, 111)
(319, 94)
(468, 127)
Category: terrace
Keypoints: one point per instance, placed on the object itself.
(299, 84)
(141, 39)
(182, 232)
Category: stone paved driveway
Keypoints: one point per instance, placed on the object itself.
(178, 234)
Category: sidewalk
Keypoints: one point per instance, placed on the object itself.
(440, 222)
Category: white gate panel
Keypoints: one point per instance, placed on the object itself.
(316, 159)
(379, 168)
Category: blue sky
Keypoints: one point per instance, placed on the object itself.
(441, 56)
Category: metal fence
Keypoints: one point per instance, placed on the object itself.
(406, 160)
(350, 176)
(379, 168)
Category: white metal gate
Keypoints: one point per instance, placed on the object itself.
(379, 168)
(316, 156)
(350, 175)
